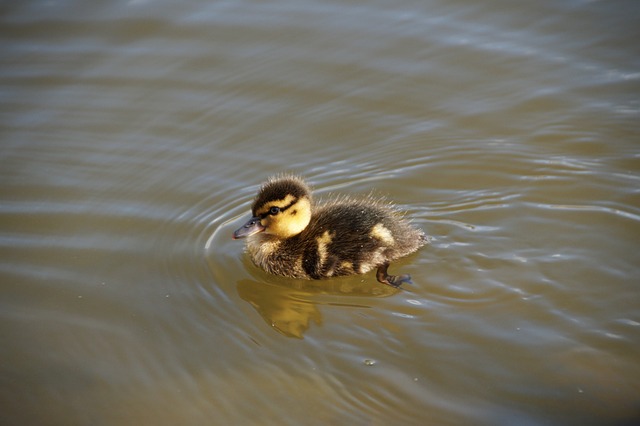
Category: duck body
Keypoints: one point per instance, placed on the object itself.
(290, 236)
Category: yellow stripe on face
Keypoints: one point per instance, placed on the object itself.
(382, 233)
(277, 203)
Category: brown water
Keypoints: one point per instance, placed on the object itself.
(135, 133)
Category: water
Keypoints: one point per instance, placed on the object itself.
(134, 135)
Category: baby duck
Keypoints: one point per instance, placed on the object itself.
(290, 236)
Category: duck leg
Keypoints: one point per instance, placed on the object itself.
(392, 280)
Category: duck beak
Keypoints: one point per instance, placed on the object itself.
(252, 227)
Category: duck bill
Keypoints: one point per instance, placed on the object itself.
(253, 226)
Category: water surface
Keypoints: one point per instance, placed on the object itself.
(135, 133)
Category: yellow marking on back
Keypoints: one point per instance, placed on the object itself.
(347, 266)
(382, 233)
(323, 242)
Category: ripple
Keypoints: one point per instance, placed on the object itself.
(135, 135)
(587, 208)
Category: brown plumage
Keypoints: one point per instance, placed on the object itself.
(290, 236)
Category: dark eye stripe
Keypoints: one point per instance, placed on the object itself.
(281, 209)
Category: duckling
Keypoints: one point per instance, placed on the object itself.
(290, 236)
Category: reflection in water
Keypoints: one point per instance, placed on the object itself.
(290, 309)
(280, 307)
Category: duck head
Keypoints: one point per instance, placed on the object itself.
(282, 208)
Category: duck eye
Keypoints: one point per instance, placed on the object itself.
(274, 210)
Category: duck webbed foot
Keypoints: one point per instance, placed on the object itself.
(392, 280)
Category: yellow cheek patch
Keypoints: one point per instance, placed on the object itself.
(383, 234)
(288, 222)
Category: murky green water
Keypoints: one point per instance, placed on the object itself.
(135, 133)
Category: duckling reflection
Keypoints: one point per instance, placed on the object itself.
(290, 307)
